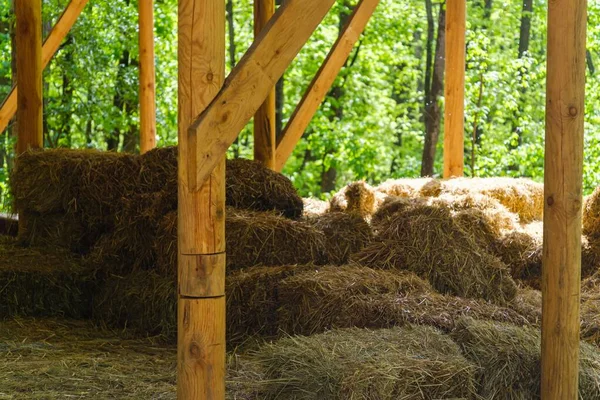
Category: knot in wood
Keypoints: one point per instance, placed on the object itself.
(210, 76)
(550, 200)
(573, 111)
(195, 350)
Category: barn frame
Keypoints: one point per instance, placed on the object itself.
(212, 111)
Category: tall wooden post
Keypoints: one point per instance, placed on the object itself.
(264, 119)
(201, 222)
(561, 273)
(454, 91)
(147, 84)
(29, 75)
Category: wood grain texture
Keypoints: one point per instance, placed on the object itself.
(64, 24)
(29, 78)
(454, 90)
(201, 348)
(323, 80)
(201, 210)
(264, 119)
(561, 273)
(202, 275)
(147, 76)
(251, 80)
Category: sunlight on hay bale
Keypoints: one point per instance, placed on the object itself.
(479, 226)
(391, 206)
(351, 296)
(411, 187)
(42, 281)
(408, 362)
(427, 241)
(521, 196)
(357, 197)
(345, 234)
(314, 207)
(591, 214)
(252, 238)
(509, 360)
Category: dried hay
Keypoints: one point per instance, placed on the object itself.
(42, 281)
(391, 206)
(56, 230)
(411, 362)
(528, 302)
(521, 196)
(591, 214)
(509, 360)
(427, 241)
(252, 238)
(479, 226)
(521, 253)
(314, 207)
(345, 234)
(351, 296)
(58, 358)
(144, 302)
(253, 300)
(590, 256)
(357, 197)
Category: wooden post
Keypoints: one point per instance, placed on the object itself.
(561, 272)
(249, 83)
(9, 107)
(454, 91)
(147, 85)
(322, 81)
(29, 75)
(201, 222)
(264, 119)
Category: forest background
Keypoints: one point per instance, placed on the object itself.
(382, 118)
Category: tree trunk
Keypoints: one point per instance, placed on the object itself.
(112, 139)
(432, 113)
(64, 130)
(524, 35)
(279, 98)
(232, 60)
(590, 62)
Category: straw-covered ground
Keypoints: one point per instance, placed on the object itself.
(412, 289)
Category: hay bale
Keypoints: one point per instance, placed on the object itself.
(144, 302)
(357, 197)
(521, 196)
(411, 187)
(345, 234)
(521, 253)
(248, 184)
(391, 206)
(253, 300)
(401, 363)
(426, 240)
(87, 182)
(590, 256)
(591, 214)
(479, 226)
(252, 238)
(351, 296)
(528, 303)
(42, 281)
(509, 360)
(314, 207)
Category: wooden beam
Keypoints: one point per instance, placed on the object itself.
(454, 91)
(250, 82)
(201, 211)
(323, 80)
(51, 44)
(264, 119)
(563, 169)
(147, 83)
(29, 77)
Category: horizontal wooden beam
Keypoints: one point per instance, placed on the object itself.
(51, 45)
(249, 84)
(322, 81)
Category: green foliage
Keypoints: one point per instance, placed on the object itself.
(370, 127)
